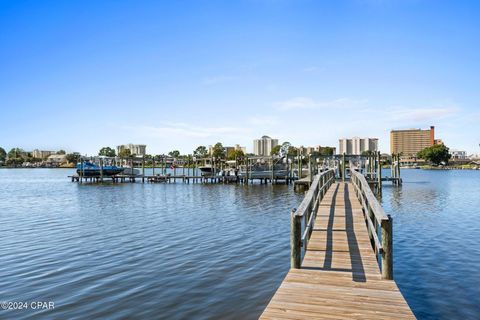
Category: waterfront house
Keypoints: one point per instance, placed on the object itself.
(56, 159)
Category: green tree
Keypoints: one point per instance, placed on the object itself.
(201, 151)
(107, 151)
(124, 153)
(218, 151)
(234, 154)
(61, 151)
(73, 157)
(326, 151)
(435, 154)
(368, 153)
(14, 162)
(292, 151)
(276, 150)
(15, 153)
(174, 154)
(3, 155)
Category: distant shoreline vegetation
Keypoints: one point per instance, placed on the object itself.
(435, 157)
(19, 158)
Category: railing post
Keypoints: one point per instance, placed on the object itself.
(343, 167)
(295, 240)
(387, 244)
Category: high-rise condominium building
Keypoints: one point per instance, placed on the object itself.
(264, 146)
(356, 145)
(410, 142)
(135, 149)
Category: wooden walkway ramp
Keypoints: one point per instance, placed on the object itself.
(339, 276)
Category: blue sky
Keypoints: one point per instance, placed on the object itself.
(80, 75)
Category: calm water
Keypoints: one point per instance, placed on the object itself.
(437, 242)
(212, 251)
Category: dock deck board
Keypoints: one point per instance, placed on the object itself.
(339, 277)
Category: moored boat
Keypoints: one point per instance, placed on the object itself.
(206, 170)
(88, 169)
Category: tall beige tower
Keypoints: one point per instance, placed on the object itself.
(264, 146)
(411, 141)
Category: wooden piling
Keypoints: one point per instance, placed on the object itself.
(398, 170)
(287, 177)
(143, 169)
(372, 166)
(83, 171)
(392, 166)
(299, 166)
(132, 166)
(101, 169)
(273, 170)
(387, 245)
(246, 168)
(295, 240)
(310, 169)
(379, 175)
(153, 165)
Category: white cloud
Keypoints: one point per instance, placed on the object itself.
(421, 114)
(309, 103)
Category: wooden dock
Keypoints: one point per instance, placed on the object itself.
(339, 277)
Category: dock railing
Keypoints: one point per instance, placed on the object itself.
(307, 212)
(377, 222)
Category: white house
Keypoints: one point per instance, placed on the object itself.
(57, 159)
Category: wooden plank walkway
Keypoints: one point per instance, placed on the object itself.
(339, 277)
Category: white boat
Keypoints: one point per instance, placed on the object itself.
(263, 170)
(131, 171)
(206, 170)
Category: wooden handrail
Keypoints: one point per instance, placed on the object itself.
(307, 210)
(361, 184)
(373, 210)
